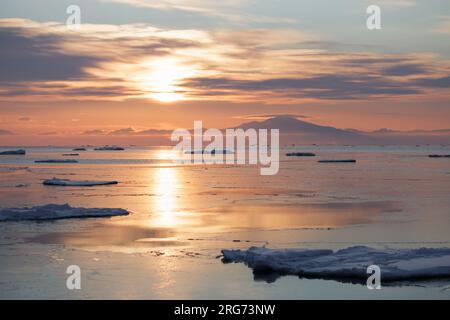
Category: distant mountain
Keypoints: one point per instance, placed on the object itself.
(290, 124)
(384, 130)
(294, 130)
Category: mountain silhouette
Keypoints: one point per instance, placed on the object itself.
(293, 130)
(307, 131)
(291, 124)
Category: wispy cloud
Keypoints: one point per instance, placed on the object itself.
(48, 133)
(394, 3)
(443, 25)
(94, 132)
(4, 132)
(270, 115)
(123, 131)
(126, 132)
(139, 61)
(231, 10)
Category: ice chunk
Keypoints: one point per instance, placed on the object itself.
(56, 161)
(57, 211)
(12, 169)
(346, 264)
(109, 148)
(213, 151)
(338, 161)
(13, 152)
(84, 183)
(300, 154)
(439, 156)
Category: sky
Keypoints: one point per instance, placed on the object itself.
(135, 65)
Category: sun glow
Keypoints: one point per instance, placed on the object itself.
(163, 80)
(166, 184)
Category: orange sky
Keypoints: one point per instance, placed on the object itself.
(65, 86)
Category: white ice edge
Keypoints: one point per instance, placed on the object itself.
(57, 211)
(352, 262)
(77, 183)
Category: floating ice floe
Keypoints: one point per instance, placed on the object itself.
(57, 211)
(109, 148)
(348, 265)
(213, 151)
(21, 185)
(12, 169)
(300, 154)
(439, 156)
(56, 161)
(338, 161)
(76, 183)
(13, 152)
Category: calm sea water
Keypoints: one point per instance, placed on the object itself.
(183, 215)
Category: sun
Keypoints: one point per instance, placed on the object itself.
(164, 79)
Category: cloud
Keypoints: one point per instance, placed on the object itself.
(94, 132)
(153, 132)
(230, 10)
(131, 131)
(123, 131)
(96, 62)
(320, 87)
(443, 25)
(48, 133)
(139, 61)
(272, 115)
(37, 57)
(4, 132)
(189, 5)
(404, 70)
(394, 3)
(441, 82)
(24, 119)
(127, 132)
